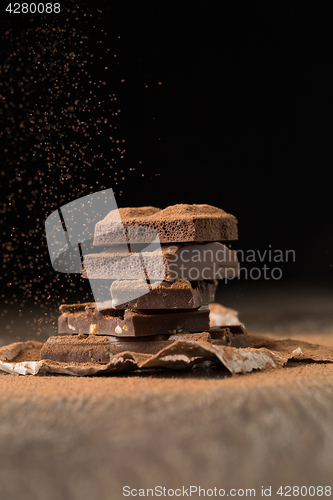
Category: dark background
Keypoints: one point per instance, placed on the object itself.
(228, 105)
(244, 117)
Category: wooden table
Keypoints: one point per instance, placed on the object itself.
(85, 438)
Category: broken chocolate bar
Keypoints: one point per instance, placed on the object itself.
(232, 335)
(86, 318)
(177, 223)
(99, 349)
(202, 261)
(179, 294)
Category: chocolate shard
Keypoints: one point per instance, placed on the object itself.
(178, 294)
(176, 223)
(233, 336)
(130, 323)
(201, 261)
(222, 316)
(100, 349)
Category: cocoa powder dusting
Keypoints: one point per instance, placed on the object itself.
(28, 355)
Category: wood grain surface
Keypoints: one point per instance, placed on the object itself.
(85, 438)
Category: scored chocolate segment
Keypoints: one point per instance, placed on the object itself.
(176, 223)
(99, 349)
(131, 323)
(201, 261)
(179, 294)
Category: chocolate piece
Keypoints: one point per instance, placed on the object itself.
(179, 294)
(130, 323)
(177, 223)
(99, 349)
(202, 261)
(222, 316)
(196, 337)
(233, 336)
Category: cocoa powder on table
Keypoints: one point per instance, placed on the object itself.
(283, 347)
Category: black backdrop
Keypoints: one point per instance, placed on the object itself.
(225, 104)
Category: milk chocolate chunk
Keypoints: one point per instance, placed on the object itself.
(201, 261)
(176, 223)
(99, 349)
(130, 323)
(179, 294)
(233, 336)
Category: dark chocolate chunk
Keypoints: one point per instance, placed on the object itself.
(202, 261)
(179, 294)
(177, 223)
(131, 323)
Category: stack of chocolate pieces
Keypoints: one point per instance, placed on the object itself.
(164, 277)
